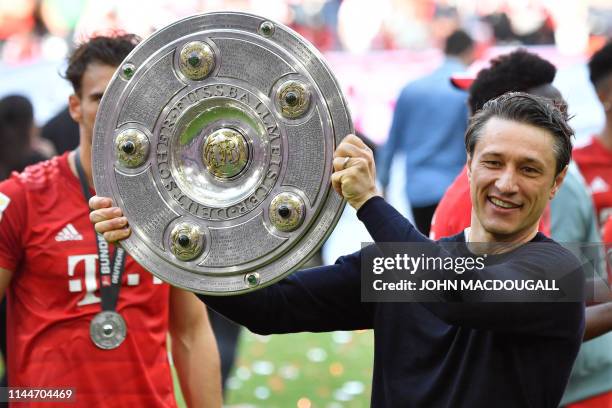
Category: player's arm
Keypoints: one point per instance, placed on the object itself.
(598, 320)
(194, 350)
(13, 226)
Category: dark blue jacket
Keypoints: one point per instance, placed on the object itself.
(436, 354)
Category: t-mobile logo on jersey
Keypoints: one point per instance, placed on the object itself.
(89, 263)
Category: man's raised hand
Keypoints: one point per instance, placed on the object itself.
(354, 175)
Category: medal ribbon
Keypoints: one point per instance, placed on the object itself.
(111, 271)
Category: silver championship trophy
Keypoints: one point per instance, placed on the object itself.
(216, 138)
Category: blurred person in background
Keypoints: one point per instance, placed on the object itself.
(16, 131)
(62, 131)
(595, 157)
(51, 271)
(595, 161)
(572, 217)
(428, 124)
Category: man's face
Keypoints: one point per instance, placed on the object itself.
(512, 177)
(84, 106)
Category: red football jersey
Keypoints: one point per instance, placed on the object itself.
(454, 212)
(595, 162)
(46, 239)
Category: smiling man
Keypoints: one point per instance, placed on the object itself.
(443, 354)
(513, 174)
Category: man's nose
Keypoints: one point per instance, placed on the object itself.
(507, 182)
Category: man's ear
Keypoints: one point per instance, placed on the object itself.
(74, 106)
(557, 182)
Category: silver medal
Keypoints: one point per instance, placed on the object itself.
(107, 330)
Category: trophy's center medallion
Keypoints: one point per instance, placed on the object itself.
(225, 153)
(219, 151)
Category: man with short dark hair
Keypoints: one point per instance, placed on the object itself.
(518, 71)
(572, 216)
(429, 121)
(443, 354)
(70, 324)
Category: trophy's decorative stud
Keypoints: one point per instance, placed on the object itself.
(252, 279)
(266, 28)
(196, 60)
(131, 148)
(225, 153)
(186, 241)
(286, 212)
(127, 70)
(293, 99)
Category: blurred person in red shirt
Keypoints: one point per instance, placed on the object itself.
(595, 157)
(595, 162)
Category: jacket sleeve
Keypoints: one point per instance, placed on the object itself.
(319, 299)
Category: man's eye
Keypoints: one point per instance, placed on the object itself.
(530, 170)
(492, 163)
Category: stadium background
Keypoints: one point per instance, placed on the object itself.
(389, 42)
